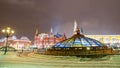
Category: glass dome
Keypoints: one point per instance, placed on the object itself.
(79, 40)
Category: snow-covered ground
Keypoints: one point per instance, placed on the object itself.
(31, 60)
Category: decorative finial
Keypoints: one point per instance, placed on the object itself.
(36, 33)
(76, 29)
(51, 30)
(75, 25)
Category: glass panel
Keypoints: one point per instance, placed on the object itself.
(69, 43)
(57, 45)
(77, 41)
(92, 42)
(99, 44)
(85, 42)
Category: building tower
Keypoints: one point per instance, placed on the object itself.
(51, 33)
(37, 39)
(51, 38)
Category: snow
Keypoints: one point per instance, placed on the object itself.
(31, 60)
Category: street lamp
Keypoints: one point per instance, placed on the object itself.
(7, 31)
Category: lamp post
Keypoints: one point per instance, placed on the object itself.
(7, 31)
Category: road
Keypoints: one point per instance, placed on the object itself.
(31, 60)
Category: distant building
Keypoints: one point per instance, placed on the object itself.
(110, 40)
(18, 44)
(44, 40)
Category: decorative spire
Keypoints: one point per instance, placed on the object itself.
(75, 25)
(51, 30)
(36, 33)
(76, 29)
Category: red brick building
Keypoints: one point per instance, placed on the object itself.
(44, 40)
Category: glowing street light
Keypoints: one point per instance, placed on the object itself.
(7, 31)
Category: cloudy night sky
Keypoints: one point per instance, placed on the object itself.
(94, 16)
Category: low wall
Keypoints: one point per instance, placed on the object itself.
(80, 51)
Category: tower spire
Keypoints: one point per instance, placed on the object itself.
(75, 25)
(76, 29)
(51, 30)
(36, 33)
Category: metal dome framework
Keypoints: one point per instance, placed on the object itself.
(79, 45)
(78, 40)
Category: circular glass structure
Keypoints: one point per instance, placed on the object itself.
(80, 45)
(78, 40)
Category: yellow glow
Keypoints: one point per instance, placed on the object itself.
(3, 30)
(8, 28)
(12, 31)
(8, 31)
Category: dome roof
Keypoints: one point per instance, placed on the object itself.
(24, 38)
(79, 40)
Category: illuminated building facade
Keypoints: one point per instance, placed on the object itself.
(110, 40)
(45, 40)
(18, 44)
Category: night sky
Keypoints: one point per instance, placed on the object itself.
(94, 16)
